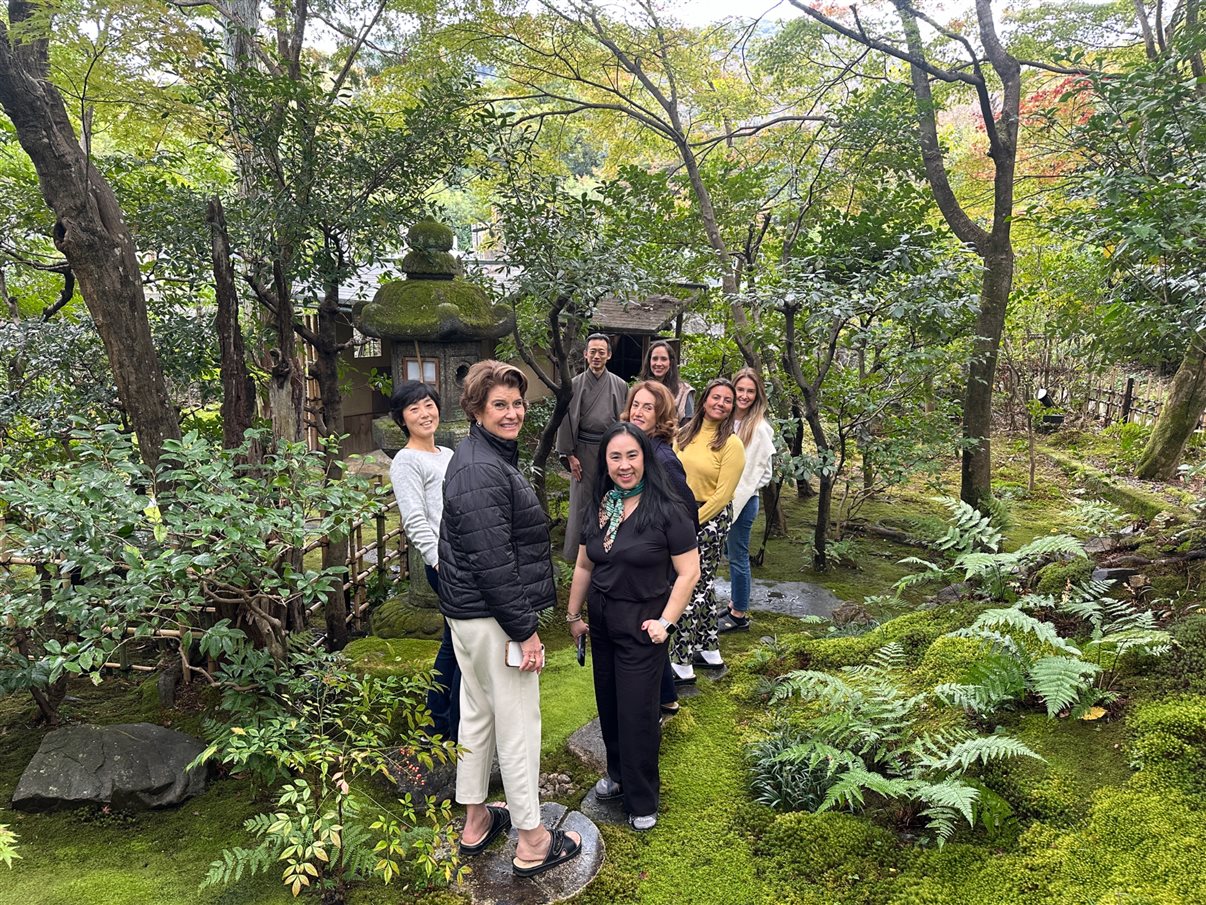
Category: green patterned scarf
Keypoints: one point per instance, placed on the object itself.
(611, 513)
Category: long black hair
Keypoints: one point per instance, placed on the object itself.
(660, 502)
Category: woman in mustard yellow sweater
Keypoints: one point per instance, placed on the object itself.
(713, 458)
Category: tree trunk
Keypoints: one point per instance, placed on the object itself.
(330, 428)
(1179, 417)
(820, 534)
(976, 483)
(238, 389)
(286, 384)
(90, 232)
(548, 438)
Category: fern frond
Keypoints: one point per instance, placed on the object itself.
(1060, 681)
(813, 685)
(847, 791)
(954, 794)
(1017, 621)
(937, 757)
(1051, 545)
(889, 658)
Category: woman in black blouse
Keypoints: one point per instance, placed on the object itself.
(636, 568)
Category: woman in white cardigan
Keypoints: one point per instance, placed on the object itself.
(755, 432)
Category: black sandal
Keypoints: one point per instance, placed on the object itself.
(500, 822)
(561, 849)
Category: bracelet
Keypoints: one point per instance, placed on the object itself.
(574, 617)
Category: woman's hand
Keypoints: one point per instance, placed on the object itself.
(533, 654)
(656, 631)
(578, 628)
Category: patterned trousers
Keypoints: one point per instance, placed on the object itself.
(697, 627)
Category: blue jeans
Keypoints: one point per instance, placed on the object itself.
(739, 555)
(444, 701)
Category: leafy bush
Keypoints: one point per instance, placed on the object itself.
(873, 739)
(316, 729)
(124, 553)
(8, 845)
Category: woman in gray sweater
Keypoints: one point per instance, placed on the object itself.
(417, 474)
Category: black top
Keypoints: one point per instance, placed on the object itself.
(678, 476)
(495, 558)
(638, 566)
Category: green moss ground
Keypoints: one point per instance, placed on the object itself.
(1089, 828)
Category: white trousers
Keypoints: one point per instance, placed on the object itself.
(500, 710)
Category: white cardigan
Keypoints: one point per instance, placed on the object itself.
(759, 467)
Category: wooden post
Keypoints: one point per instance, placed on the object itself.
(1128, 397)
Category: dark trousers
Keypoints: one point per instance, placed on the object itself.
(444, 701)
(628, 673)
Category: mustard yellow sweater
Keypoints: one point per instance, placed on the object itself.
(711, 475)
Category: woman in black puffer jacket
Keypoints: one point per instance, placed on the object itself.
(496, 575)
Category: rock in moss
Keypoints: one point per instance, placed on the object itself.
(1054, 578)
(949, 659)
(397, 618)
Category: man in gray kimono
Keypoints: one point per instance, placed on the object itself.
(599, 397)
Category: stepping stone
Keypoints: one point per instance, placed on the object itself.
(132, 766)
(790, 598)
(587, 745)
(610, 812)
(493, 883)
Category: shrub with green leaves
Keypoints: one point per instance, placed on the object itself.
(319, 731)
(8, 845)
(123, 553)
(863, 739)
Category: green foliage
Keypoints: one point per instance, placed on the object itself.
(8, 845)
(123, 554)
(969, 530)
(316, 729)
(867, 740)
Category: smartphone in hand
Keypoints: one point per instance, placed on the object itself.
(582, 650)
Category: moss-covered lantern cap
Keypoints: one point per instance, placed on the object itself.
(432, 304)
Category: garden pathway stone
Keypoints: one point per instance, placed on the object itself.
(791, 598)
(493, 883)
(127, 765)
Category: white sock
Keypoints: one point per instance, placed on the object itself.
(683, 670)
(712, 657)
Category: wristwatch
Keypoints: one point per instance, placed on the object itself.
(669, 626)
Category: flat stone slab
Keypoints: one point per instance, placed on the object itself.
(493, 883)
(587, 745)
(610, 812)
(791, 598)
(128, 765)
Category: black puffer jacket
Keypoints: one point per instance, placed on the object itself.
(495, 558)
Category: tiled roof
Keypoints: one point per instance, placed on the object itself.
(651, 314)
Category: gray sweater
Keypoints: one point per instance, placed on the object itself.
(418, 479)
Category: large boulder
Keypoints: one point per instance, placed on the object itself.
(128, 765)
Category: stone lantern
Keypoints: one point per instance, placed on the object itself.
(437, 326)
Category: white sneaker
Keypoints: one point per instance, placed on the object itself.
(648, 822)
(607, 788)
(683, 672)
